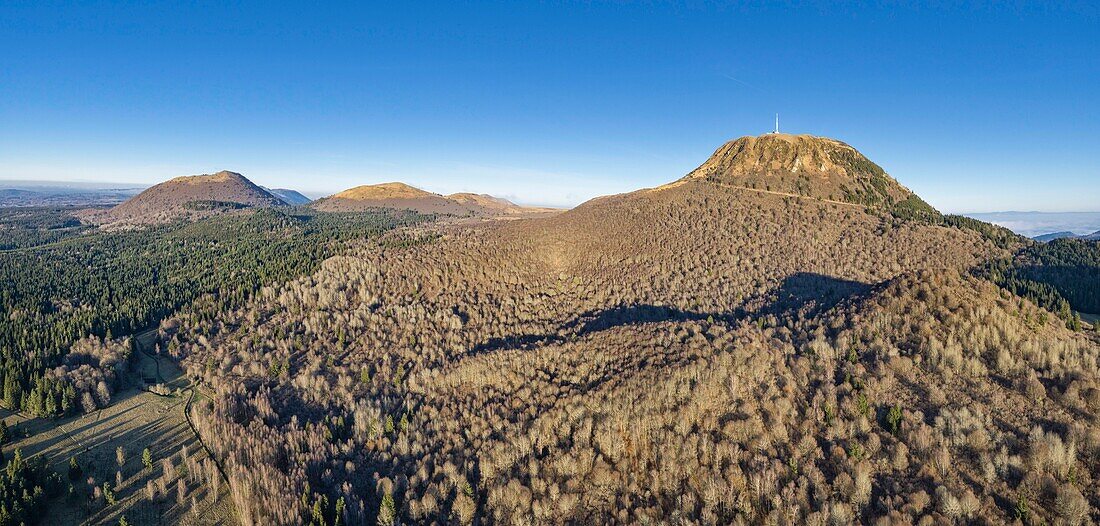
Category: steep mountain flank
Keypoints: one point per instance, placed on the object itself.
(810, 166)
(190, 196)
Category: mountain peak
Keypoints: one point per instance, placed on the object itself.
(781, 152)
(219, 177)
(191, 196)
(806, 165)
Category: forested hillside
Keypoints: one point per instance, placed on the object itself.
(105, 284)
(698, 352)
(33, 226)
(1070, 266)
(549, 371)
(1063, 276)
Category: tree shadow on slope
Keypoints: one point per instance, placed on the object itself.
(807, 294)
(803, 294)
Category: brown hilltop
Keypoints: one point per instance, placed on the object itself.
(190, 196)
(486, 201)
(497, 204)
(381, 191)
(389, 195)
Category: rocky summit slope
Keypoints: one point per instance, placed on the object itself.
(189, 196)
(809, 166)
(402, 196)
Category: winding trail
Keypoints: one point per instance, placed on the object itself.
(209, 452)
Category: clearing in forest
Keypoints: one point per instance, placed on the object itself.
(184, 489)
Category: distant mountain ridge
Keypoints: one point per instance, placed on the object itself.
(35, 193)
(1032, 224)
(1055, 235)
(402, 196)
(15, 193)
(1095, 236)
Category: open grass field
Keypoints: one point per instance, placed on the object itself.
(136, 419)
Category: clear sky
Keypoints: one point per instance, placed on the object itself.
(976, 109)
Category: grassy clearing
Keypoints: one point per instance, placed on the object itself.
(136, 420)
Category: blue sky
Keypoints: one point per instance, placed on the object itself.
(974, 108)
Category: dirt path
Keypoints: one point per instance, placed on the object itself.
(209, 452)
(784, 194)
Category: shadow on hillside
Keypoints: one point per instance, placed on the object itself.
(803, 294)
(638, 314)
(808, 294)
(522, 341)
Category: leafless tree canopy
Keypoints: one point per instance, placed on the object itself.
(695, 353)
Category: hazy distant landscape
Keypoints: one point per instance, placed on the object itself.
(59, 193)
(1033, 224)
